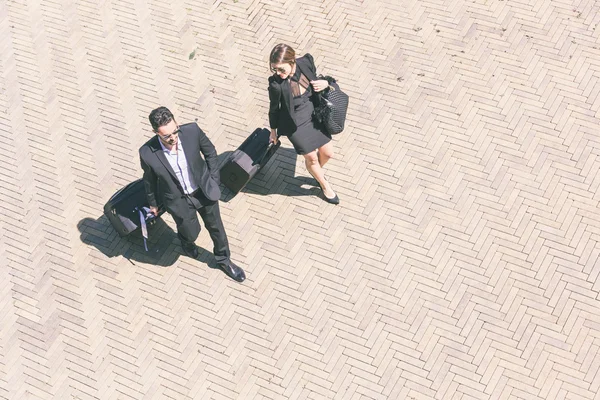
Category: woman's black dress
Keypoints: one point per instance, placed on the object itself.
(308, 137)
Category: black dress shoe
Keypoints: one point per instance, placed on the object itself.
(191, 251)
(233, 271)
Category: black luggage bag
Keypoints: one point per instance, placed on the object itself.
(122, 209)
(245, 162)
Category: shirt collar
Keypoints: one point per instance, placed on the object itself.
(173, 151)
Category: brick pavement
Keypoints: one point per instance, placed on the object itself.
(462, 262)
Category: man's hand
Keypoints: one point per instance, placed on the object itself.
(273, 136)
(154, 210)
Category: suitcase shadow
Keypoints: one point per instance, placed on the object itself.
(163, 244)
(277, 177)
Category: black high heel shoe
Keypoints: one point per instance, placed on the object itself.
(333, 200)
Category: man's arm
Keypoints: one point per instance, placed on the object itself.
(210, 155)
(150, 183)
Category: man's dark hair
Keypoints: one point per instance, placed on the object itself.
(160, 116)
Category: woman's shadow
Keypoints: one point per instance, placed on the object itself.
(278, 176)
(162, 244)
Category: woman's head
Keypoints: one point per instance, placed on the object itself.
(282, 60)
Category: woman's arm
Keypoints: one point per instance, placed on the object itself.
(317, 84)
(311, 63)
(274, 104)
(274, 108)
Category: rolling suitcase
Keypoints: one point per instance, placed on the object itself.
(245, 162)
(124, 207)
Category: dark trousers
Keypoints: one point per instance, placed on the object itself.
(188, 229)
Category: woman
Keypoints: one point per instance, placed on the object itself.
(291, 88)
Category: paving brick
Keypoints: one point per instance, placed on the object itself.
(461, 262)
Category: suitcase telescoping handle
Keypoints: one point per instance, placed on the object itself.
(260, 160)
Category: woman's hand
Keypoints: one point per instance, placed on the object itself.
(319, 85)
(273, 136)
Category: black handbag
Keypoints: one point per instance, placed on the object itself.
(331, 107)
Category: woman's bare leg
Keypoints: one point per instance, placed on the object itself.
(311, 160)
(324, 153)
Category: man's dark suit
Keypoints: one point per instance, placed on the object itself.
(159, 177)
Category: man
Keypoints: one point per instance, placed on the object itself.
(172, 165)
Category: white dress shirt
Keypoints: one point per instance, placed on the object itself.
(177, 160)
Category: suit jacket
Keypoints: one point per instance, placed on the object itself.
(159, 176)
(281, 107)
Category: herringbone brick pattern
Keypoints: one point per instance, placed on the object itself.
(462, 262)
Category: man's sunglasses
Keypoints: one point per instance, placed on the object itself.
(175, 133)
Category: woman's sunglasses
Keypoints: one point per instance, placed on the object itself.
(280, 70)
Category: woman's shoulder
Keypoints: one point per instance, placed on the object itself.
(306, 58)
(307, 62)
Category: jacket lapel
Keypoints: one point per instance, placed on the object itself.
(286, 93)
(305, 69)
(185, 142)
(157, 149)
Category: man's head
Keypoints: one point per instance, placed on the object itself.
(164, 125)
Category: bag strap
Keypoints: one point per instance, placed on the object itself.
(144, 228)
(145, 214)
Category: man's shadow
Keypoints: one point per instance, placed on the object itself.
(278, 176)
(163, 244)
